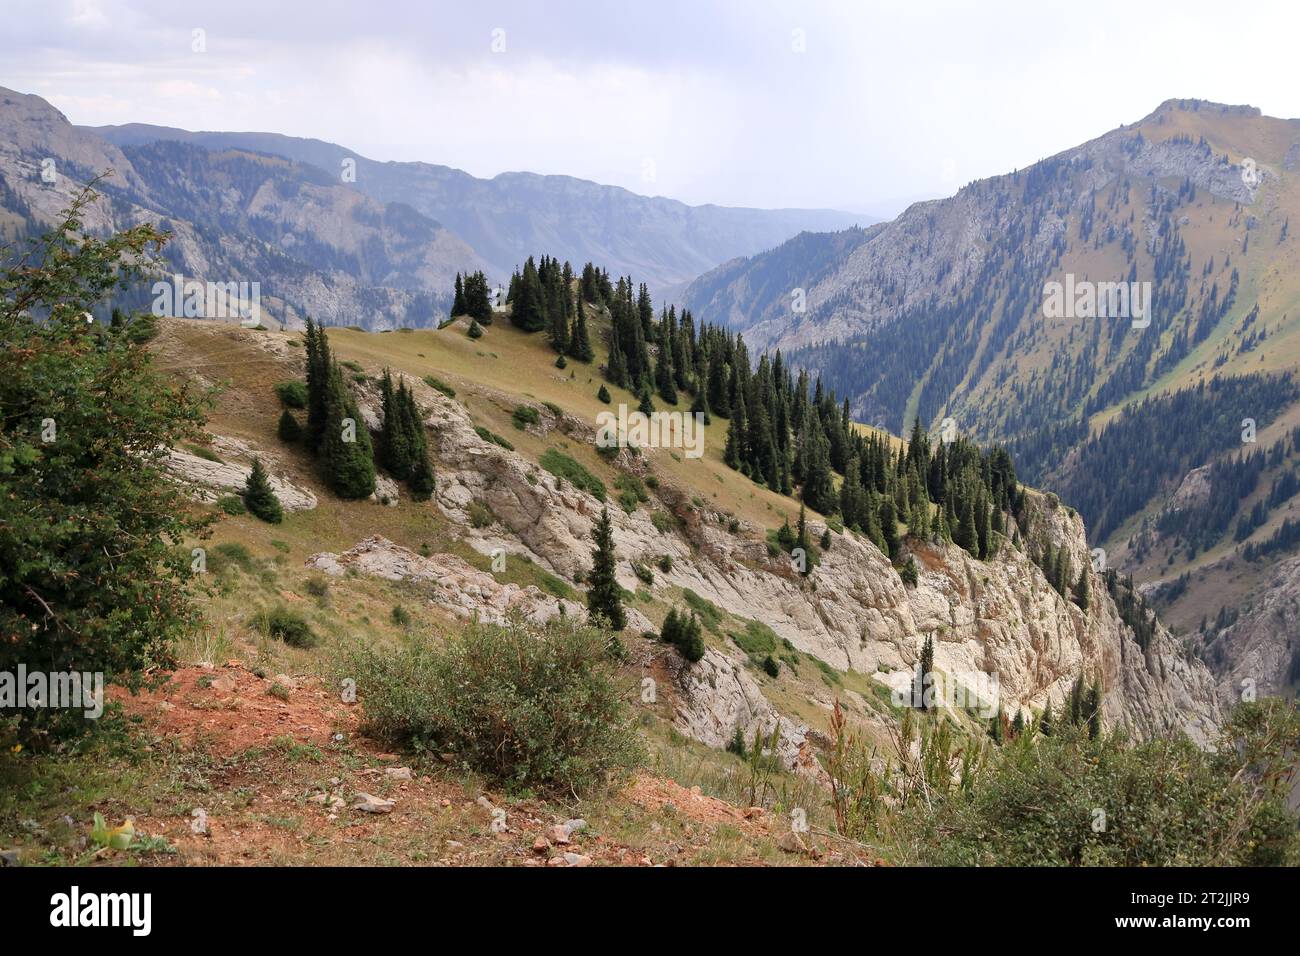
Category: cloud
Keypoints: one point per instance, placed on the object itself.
(880, 101)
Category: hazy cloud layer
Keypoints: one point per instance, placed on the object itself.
(703, 102)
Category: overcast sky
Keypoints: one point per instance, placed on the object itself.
(855, 105)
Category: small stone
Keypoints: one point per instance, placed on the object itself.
(558, 834)
(540, 845)
(577, 859)
(446, 802)
(791, 842)
(368, 803)
(753, 812)
(573, 826)
(398, 773)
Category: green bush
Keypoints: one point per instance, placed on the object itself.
(439, 385)
(631, 492)
(523, 416)
(292, 394)
(528, 706)
(704, 609)
(480, 515)
(663, 521)
(286, 625)
(603, 395)
(400, 616)
(232, 505)
(493, 437)
(475, 331)
(563, 466)
(909, 572)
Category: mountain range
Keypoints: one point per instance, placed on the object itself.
(349, 240)
(1174, 434)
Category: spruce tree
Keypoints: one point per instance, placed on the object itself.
(924, 669)
(347, 458)
(889, 528)
(289, 430)
(1082, 590)
(604, 594)
(259, 498)
(422, 481)
(458, 299)
(603, 395)
(580, 340)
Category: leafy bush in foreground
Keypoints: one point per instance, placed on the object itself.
(525, 705)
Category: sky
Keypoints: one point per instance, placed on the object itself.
(857, 105)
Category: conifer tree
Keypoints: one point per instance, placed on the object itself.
(604, 595)
(889, 528)
(603, 395)
(580, 340)
(259, 498)
(1082, 590)
(289, 429)
(458, 299)
(347, 458)
(318, 376)
(924, 669)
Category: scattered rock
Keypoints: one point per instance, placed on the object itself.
(368, 803)
(791, 842)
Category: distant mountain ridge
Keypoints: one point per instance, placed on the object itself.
(939, 314)
(662, 242)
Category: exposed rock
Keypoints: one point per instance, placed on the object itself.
(452, 583)
(209, 480)
(368, 803)
(1258, 652)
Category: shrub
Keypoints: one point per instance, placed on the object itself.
(643, 574)
(561, 362)
(493, 437)
(400, 616)
(475, 330)
(480, 515)
(292, 394)
(526, 705)
(631, 492)
(204, 452)
(523, 416)
(563, 466)
(705, 609)
(909, 572)
(286, 625)
(554, 409)
(663, 521)
(290, 431)
(317, 587)
(439, 385)
(771, 667)
(603, 395)
(665, 563)
(232, 505)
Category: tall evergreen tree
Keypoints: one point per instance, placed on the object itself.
(347, 457)
(580, 340)
(604, 595)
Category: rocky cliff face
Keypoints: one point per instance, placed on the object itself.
(996, 617)
(1259, 654)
